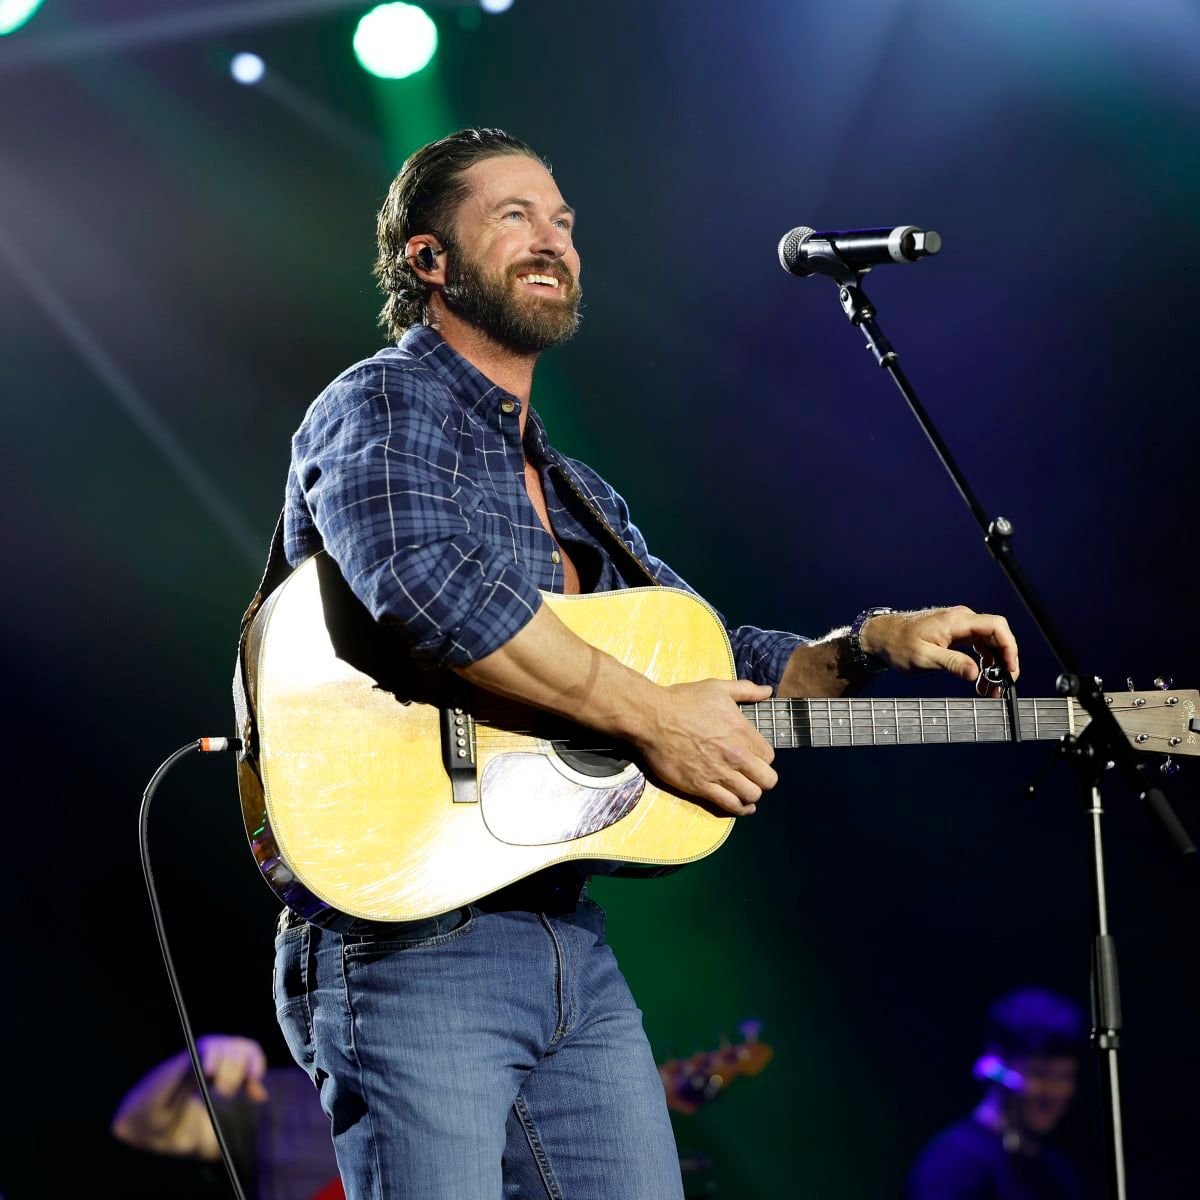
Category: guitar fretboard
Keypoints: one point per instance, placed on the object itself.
(866, 721)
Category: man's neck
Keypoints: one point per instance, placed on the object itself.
(507, 368)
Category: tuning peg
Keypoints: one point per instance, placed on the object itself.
(1169, 767)
(750, 1029)
(1129, 683)
(1163, 681)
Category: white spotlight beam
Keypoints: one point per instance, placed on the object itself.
(136, 407)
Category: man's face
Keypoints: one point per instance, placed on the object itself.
(1049, 1089)
(513, 271)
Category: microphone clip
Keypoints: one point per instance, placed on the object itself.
(857, 306)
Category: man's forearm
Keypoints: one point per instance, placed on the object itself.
(821, 668)
(548, 666)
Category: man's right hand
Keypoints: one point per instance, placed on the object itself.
(698, 741)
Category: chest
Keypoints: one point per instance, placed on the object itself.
(537, 497)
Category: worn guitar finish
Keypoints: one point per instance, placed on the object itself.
(350, 808)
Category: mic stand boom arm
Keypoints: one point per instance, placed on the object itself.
(1101, 742)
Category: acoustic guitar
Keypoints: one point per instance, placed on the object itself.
(372, 788)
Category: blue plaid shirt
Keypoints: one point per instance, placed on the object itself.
(409, 470)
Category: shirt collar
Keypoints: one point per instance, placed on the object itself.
(469, 385)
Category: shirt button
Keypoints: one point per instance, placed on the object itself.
(507, 406)
(555, 557)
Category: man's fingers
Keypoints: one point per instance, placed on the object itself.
(725, 799)
(990, 628)
(954, 661)
(743, 691)
(759, 772)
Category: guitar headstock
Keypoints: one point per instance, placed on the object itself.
(1161, 721)
(692, 1082)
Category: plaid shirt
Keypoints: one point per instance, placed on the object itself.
(409, 470)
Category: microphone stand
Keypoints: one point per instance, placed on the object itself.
(1101, 744)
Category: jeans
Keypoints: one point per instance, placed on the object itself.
(479, 1055)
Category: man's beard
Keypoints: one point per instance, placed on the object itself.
(520, 322)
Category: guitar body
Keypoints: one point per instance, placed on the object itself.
(346, 796)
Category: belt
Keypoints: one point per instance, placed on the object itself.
(554, 891)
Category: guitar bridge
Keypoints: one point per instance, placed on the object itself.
(458, 753)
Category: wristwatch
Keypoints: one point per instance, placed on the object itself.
(859, 658)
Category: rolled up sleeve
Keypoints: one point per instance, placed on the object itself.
(389, 496)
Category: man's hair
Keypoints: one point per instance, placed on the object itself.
(424, 198)
(1035, 1021)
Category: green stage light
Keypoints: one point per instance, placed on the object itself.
(14, 14)
(394, 41)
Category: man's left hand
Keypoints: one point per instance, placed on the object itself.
(924, 641)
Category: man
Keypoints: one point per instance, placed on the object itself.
(497, 1047)
(1030, 1065)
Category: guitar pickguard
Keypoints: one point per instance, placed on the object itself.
(531, 799)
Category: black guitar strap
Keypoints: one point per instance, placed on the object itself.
(276, 571)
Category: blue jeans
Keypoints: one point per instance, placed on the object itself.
(479, 1055)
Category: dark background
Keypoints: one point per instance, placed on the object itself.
(184, 263)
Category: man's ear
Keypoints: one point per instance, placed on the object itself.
(422, 255)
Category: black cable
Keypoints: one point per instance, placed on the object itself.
(207, 746)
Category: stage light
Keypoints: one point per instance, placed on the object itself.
(14, 14)
(495, 6)
(247, 68)
(394, 41)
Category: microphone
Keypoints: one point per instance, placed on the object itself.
(803, 251)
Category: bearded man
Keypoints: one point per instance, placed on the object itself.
(495, 1049)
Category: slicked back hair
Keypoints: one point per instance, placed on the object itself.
(424, 198)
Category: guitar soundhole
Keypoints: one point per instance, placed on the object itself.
(580, 754)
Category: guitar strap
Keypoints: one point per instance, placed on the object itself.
(277, 570)
(631, 568)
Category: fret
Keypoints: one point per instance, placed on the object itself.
(830, 721)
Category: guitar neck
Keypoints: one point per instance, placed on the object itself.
(867, 721)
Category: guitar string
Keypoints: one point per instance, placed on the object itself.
(832, 722)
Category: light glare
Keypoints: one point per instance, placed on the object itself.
(247, 68)
(14, 14)
(394, 41)
(495, 6)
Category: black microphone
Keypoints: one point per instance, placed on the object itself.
(803, 251)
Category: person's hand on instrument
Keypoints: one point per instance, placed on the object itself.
(925, 641)
(698, 742)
